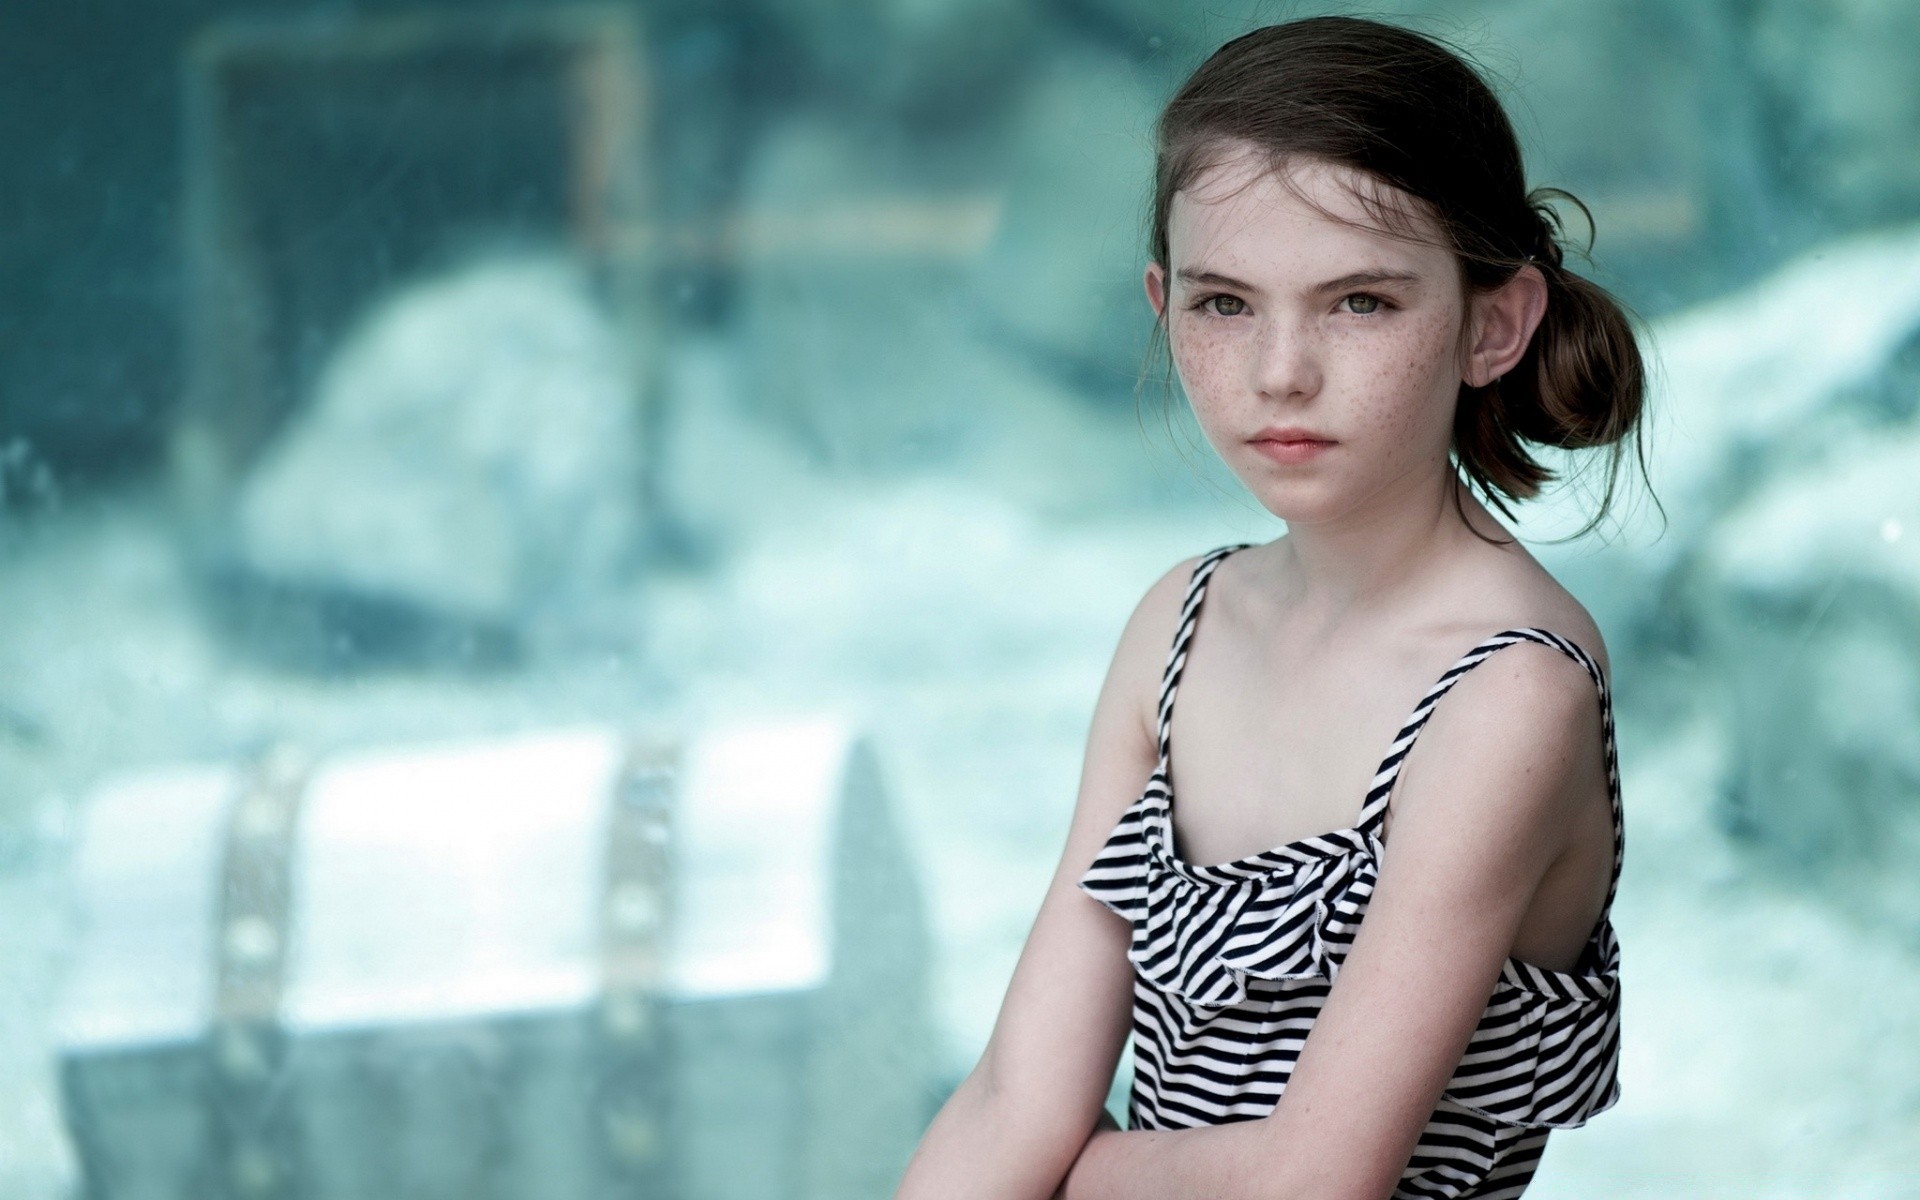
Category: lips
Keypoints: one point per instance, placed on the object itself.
(1289, 433)
(1291, 451)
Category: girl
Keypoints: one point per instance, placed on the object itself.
(1364, 305)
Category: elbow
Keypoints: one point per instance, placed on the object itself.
(1020, 1109)
(990, 1141)
(1322, 1173)
(1034, 1101)
(1322, 1188)
(1350, 1181)
(989, 1083)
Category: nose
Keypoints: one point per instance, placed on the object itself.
(1286, 362)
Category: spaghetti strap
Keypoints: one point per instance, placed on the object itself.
(1373, 812)
(1177, 656)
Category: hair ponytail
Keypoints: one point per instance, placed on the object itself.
(1581, 384)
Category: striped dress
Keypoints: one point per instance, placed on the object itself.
(1233, 961)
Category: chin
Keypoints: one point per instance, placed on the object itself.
(1305, 502)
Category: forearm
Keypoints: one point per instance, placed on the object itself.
(983, 1147)
(1221, 1162)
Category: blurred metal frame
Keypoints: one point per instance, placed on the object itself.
(253, 322)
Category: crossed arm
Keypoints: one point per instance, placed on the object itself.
(1480, 811)
(1473, 833)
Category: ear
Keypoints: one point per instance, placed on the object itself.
(1156, 284)
(1505, 319)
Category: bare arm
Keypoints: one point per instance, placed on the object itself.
(1472, 837)
(1016, 1123)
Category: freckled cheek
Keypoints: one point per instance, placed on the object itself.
(1400, 381)
(1430, 353)
(1204, 359)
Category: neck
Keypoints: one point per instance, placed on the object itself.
(1368, 561)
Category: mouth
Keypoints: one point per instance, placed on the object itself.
(1292, 450)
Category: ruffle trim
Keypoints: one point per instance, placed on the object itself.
(1546, 1051)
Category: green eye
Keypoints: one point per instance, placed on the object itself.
(1373, 300)
(1225, 299)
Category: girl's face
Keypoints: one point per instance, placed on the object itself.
(1279, 317)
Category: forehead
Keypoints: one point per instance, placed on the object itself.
(1240, 211)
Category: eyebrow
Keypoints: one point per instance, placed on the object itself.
(1355, 279)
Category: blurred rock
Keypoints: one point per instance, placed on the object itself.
(472, 450)
(1806, 603)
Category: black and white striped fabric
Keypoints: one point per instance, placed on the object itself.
(1234, 960)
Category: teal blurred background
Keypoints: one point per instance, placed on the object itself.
(380, 376)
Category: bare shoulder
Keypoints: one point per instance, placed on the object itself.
(1522, 593)
(1558, 612)
(1535, 684)
(1067, 1010)
(1140, 659)
(1537, 694)
(1544, 690)
(1532, 789)
(1541, 696)
(1123, 734)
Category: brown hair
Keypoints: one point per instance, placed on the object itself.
(1408, 111)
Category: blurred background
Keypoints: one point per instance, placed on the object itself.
(556, 562)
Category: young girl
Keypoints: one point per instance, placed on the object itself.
(1346, 975)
